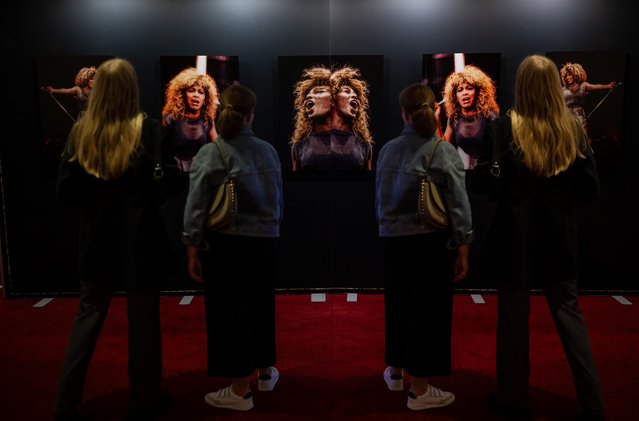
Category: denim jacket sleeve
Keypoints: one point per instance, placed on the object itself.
(456, 196)
(202, 179)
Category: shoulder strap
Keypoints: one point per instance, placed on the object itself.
(226, 165)
(432, 154)
(156, 138)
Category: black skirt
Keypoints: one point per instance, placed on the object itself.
(418, 297)
(239, 305)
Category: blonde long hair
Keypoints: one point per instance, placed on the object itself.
(544, 129)
(105, 139)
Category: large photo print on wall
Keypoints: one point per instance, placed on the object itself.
(329, 112)
(594, 92)
(465, 86)
(190, 89)
(64, 83)
(191, 86)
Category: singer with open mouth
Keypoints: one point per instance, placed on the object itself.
(331, 121)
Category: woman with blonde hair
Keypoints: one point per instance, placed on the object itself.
(108, 169)
(546, 167)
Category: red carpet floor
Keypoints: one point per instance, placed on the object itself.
(330, 355)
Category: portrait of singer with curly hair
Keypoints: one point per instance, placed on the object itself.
(470, 101)
(81, 90)
(191, 101)
(331, 121)
(575, 88)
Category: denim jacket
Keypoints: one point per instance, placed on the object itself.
(401, 165)
(255, 166)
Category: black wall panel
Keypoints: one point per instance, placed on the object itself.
(334, 247)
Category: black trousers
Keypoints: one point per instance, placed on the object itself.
(513, 343)
(144, 339)
(418, 298)
(239, 297)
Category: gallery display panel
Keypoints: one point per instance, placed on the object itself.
(329, 232)
(596, 97)
(605, 225)
(64, 84)
(362, 73)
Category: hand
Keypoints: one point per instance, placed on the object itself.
(194, 264)
(461, 262)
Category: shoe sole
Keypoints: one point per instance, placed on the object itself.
(237, 407)
(265, 387)
(389, 383)
(415, 406)
(394, 388)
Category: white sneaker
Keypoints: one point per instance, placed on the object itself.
(393, 382)
(266, 383)
(225, 398)
(433, 398)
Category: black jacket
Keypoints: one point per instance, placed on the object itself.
(123, 240)
(533, 238)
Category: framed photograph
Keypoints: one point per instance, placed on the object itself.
(330, 113)
(191, 86)
(64, 86)
(465, 86)
(593, 84)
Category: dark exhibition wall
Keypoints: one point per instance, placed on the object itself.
(329, 233)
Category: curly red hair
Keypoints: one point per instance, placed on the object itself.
(84, 75)
(174, 94)
(576, 70)
(323, 76)
(485, 90)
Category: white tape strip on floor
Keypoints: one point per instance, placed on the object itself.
(43, 302)
(477, 299)
(622, 300)
(318, 298)
(186, 300)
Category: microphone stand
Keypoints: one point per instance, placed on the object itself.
(60, 105)
(599, 103)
